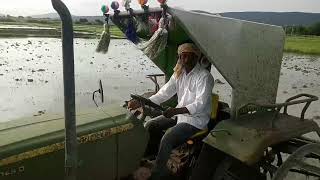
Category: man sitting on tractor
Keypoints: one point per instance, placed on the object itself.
(193, 86)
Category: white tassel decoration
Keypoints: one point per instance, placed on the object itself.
(104, 42)
(157, 43)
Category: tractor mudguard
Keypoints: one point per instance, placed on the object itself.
(247, 138)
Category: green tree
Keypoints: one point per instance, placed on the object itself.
(301, 30)
(315, 29)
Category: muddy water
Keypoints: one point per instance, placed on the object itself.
(31, 76)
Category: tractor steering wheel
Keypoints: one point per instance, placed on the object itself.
(145, 101)
(152, 110)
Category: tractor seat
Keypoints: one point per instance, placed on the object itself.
(201, 134)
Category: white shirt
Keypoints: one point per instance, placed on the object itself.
(194, 92)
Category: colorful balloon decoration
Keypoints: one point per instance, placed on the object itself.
(162, 1)
(142, 2)
(104, 9)
(115, 5)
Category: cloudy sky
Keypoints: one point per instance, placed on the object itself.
(92, 7)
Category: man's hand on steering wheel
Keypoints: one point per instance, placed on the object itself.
(170, 112)
(174, 111)
(139, 101)
(134, 104)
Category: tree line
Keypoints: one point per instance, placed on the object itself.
(29, 19)
(313, 30)
(85, 21)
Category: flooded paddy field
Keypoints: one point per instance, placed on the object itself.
(32, 85)
(32, 82)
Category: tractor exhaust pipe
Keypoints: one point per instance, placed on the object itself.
(69, 90)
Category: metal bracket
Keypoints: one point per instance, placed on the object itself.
(153, 78)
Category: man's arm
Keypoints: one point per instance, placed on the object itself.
(165, 92)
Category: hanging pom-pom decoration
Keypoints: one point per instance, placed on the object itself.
(115, 5)
(126, 4)
(154, 26)
(143, 28)
(131, 32)
(104, 41)
(142, 23)
(158, 42)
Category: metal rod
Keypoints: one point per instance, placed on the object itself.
(137, 12)
(69, 90)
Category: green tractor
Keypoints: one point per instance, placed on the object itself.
(244, 141)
